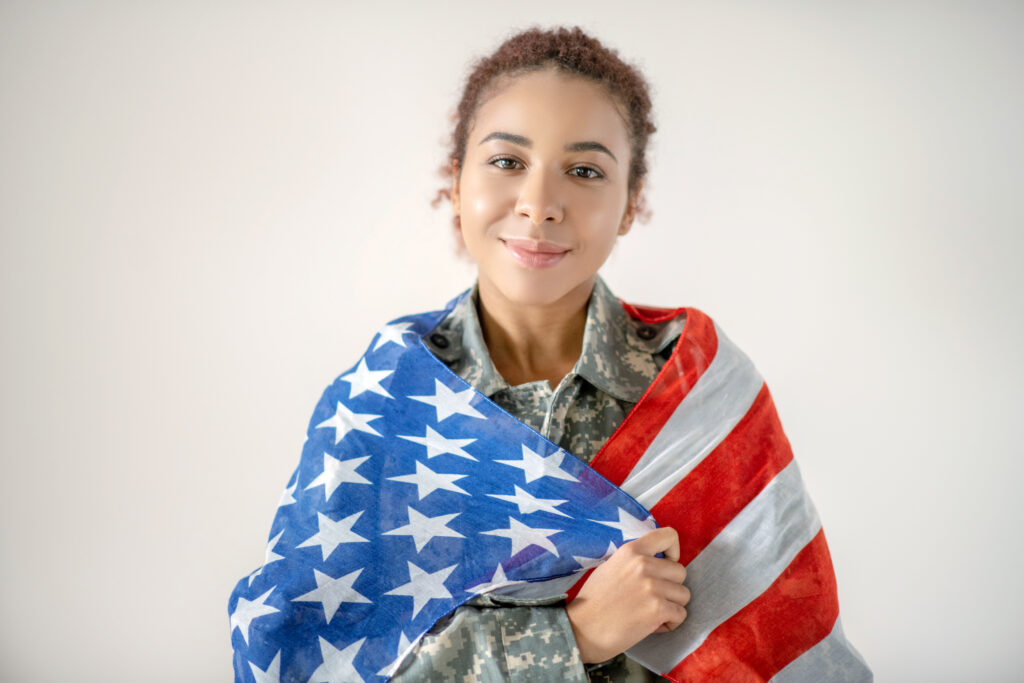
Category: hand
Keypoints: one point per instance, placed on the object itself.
(630, 596)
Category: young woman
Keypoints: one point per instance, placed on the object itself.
(442, 544)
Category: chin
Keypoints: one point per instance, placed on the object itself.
(539, 288)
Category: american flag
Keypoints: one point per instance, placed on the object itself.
(415, 493)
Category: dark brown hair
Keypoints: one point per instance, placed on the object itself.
(573, 52)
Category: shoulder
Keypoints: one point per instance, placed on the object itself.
(659, 329)
(686, 332)
(395, 349)
(405, 333)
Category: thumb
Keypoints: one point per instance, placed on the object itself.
(663, 540)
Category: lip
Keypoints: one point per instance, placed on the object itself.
(534, 254)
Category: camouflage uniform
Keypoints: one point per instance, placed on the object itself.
(496, 638)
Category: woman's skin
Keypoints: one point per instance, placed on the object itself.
(533, 191)
(542, 196)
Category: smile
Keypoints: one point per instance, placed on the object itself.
(530, 254)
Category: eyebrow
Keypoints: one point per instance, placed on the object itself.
(584, 146)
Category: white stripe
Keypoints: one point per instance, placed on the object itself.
(833, 659)
(715, 404)
(742, 561)
(539, 590)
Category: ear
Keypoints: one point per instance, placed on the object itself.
(631, 209)
(455, 197)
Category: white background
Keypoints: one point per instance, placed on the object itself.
(207, 209)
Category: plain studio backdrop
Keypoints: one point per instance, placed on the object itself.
(208, 209)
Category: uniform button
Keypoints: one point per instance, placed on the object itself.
(646, 332)
(439, 340)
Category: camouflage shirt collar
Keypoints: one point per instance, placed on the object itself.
(474, 350)
(614, 358)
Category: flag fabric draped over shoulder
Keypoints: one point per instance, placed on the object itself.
(704, 451)
(414, 493)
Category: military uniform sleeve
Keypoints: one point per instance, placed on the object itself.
(496, 638)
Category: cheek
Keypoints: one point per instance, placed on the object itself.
(602, 216)
(601, 208)
(485, 197)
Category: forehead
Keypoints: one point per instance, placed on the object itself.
(550, 105)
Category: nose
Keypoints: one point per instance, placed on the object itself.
(539, 199)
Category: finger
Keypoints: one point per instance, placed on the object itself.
(674, 592)
(666, 570)
(667, 591)
(661, 540)
(676, 622)
(675, 616)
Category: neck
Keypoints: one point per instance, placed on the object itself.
(530, 342)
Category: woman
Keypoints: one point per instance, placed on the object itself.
(547, 171)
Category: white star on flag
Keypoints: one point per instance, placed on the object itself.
(332, 592)
(337, 472)
(247, 610)
(523, 536)
(588, 562)
(338, 665)
(629, 526)
(269, 557)
(535, 466)
(403, 645)
(448, 402)
(427, 481)
(393, 333)
(497, 580)
(527, 502)
(364, 379)
(332, 534)
(273, 672)
(344, 421)
(288, 496)
(423, 528)
(438, 445)
(424, 586)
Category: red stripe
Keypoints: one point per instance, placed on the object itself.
(573, 591)
(794, 614)
(731, 476)
(693, 353)
(651, 314)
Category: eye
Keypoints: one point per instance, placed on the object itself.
(505, 163)
(585, 172)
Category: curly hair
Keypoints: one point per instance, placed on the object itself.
(570, 51)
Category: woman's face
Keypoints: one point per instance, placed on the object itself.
(542, 192)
